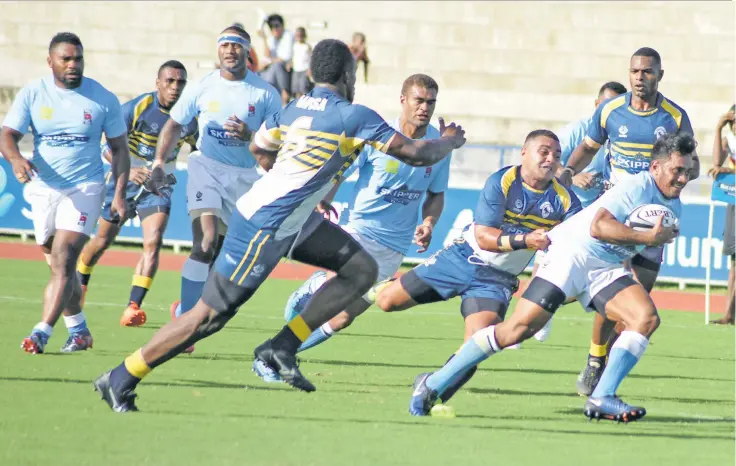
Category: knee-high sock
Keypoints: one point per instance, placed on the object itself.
(624, 355)
(482, 345)
(320, 335)
(193, 276)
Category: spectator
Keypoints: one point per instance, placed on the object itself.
(277, 55)
(725, 148)
(360, 53)
(301, 56)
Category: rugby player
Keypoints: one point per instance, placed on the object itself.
(585, 260)
(316, 139)
(68, 114)
(632, 123)
(144, 117)
(388, 201)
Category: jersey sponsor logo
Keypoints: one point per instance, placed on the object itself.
(223, 138)
(63, 139)
(546, 209)
(145, 150)
(622, 252)
(634, 165)
(46, 113)
(87, 117)
(660, 132)
(317, 104)
(402, 196)
(623, 131)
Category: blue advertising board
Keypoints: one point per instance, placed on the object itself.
(684, 260)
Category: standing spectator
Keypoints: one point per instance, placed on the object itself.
(360, 53)
(725, 148)
(301, 56)
(277, 55)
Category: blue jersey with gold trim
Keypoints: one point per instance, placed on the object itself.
(318, 137)
(145, 118)
(633, 133)
(512, 206)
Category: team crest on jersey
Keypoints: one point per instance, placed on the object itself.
(623, 131)
(518, 205)
(660, 132)
(546, 209)
(154, 127)
(428, 172)
(87, 117)
(251, 110)
(82, 219)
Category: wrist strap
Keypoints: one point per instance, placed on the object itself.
(511, 243)
(569, 169)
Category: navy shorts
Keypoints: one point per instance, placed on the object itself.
(141, 202)
(450, 274)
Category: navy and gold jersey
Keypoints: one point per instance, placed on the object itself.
(317, 137)
(633, 133)
(512, 206)
(145, 118)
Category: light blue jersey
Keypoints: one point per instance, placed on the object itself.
(213, 100)
(67, 126)
(570, 137)
(389, 194)
(620, 200)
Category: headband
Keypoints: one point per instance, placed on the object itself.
(227, 37)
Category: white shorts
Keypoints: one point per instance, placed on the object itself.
(216, 186)
(387, 259)
(75, 209)
(577, 275)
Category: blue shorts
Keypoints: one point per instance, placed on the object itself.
(449, 273)
(141, 202)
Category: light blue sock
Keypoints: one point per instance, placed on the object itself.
(193, 276)
(44, 331)
(320, 335)
(624, 355)
(482, 345)
(76, 323)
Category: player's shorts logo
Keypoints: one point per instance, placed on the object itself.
(82, 219)
(546, 209)
(660, 132)
(258, 270)
(87, 117)
(199, 195)
(623, 131)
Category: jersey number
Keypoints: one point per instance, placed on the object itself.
(296, 139)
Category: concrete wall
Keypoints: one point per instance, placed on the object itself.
(503, 67)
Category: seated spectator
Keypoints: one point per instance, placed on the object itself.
(277, 54)
(725, 148)
(300, 83)
(360, 53)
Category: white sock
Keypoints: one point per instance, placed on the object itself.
(486, 340)
(633, 342)
(327, 329)
(73, 321)
(44, 327)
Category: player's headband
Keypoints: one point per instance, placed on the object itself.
(227, 37)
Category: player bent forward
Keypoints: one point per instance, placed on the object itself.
(585, 260)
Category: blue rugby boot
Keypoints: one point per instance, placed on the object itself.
(423, 397)
(265, 372)
(79, 341)
(299, 299)
(612, 408)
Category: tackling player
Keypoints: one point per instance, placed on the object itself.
(144, 117)
(585, 260)
(316, 139)
(517, 206)
(228, 103)
(632, 123)
(68, 114)
(386, 206)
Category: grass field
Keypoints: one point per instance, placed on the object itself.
(208, 408)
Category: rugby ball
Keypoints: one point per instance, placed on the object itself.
(645, 217)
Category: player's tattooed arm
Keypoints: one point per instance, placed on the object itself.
(426, 152)
(606, 228)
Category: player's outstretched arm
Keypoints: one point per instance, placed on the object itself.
(494, 240)
(606, 228)
(422, 153)
(579, 159)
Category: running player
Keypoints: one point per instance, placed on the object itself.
(68, 114)
(316, 139)
(585, 260)
(144, 116)
(632, 123)
(228, 103)
(517, 206)
(387, 203)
